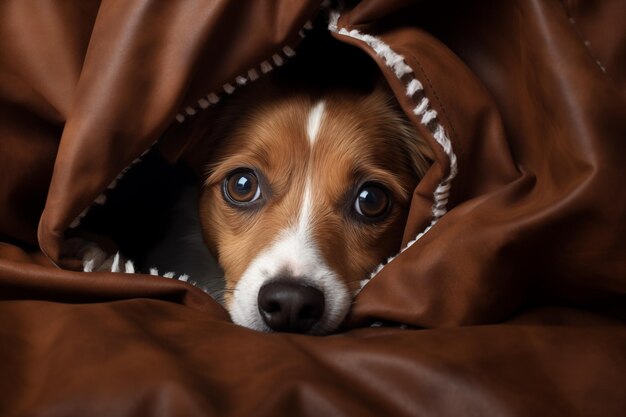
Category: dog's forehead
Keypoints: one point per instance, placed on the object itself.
(326, 127)
(338, 139)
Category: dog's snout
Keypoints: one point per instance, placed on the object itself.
(289, 306)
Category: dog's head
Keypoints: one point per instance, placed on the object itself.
(307, 192)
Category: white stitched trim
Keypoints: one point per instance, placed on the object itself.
(102, 198)
(129, 267)
(287, 50)
(392, 59)
(413, 87)
(333, 19)
(76, 222)
(421, 107)
(266, 67)
(99, 263)
(203, 103)
(253, 74)
(115, 267)
(428, 116)
(277, 60)
(172, 275)
(397, 64)
(213, 98)
(586, 43)
(88, 265)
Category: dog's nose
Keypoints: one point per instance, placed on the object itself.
(288, 306)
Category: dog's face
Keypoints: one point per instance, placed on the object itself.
(306, 194)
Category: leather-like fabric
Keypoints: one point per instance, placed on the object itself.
(514, 300)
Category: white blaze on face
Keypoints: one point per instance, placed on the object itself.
(293, 253)
(315, 121)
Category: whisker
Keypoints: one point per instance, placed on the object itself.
(225, 291)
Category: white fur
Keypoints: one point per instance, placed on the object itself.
(295, 253)
(315, 121)
(303, 229)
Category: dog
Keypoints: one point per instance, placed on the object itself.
(306, 191)
(306, 184)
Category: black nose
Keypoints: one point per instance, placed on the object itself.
(288, 306)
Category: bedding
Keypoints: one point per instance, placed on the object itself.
(507, 298)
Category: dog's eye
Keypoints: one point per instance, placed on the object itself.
(372, 202)
(242, 187)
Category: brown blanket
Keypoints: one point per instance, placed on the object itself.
(512, 297)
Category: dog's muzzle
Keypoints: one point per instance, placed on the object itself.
(288, 305)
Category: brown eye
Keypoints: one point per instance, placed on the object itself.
(372, 202)
(242, 187)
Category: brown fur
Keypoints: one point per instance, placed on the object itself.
(363, 137)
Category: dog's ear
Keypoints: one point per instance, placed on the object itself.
(417, 148)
